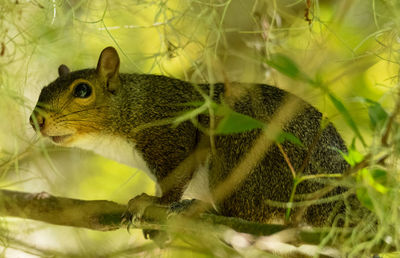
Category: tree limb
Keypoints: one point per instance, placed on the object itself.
(105, 215)
(98, 215)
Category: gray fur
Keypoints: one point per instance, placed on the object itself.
(144, 99)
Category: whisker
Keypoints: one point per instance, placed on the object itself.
(79, 111)
(63, 106)
(88, 119)
(80, 125)
(77, 120)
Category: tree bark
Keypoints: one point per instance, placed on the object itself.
(106, 215)
(98, 215)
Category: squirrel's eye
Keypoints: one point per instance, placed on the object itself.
(82, 90)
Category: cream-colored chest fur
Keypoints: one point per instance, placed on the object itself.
(120, 150)
(198, 188)
(115, 148)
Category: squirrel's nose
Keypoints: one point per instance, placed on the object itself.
(39, 119)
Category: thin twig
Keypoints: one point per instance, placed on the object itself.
(395, 112)
(287, 160)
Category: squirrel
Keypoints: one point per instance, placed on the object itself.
(127, 117)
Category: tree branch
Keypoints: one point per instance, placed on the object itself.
(98, 215)
(105, 215)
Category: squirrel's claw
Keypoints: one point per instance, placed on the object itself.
(136, 208)
(161, 238)
(126, 218)
(136, 213)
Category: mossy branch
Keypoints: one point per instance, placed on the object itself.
(98, 215)
(105, 215)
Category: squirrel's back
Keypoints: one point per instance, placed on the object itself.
(270, 182)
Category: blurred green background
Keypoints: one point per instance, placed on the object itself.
(351, 47)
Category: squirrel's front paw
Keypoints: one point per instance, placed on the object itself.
(136, 208)
(144, 209)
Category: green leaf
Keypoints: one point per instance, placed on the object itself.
(375, 178)
(363, 197)
(353, 156)
(234, 122)
(286, 66)
(379, 175)
(377, 115)
(284, 136)
(371, 180)
(349, 120)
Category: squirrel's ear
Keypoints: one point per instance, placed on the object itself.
(63, 70)
(107, 68)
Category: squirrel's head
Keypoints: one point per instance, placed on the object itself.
(74, 105)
